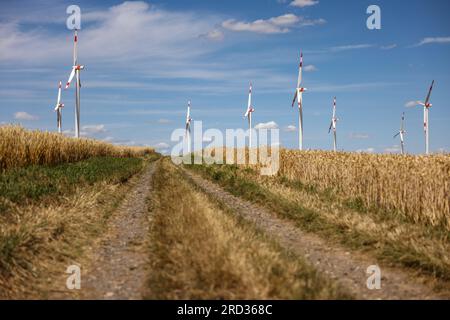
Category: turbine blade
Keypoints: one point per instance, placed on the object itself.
(299, 81)
(75, 41)
(295, 98)
(249, 97)
(59, 94)
(429, 93)
(72, 74)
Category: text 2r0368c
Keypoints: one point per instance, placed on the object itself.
(246, 309)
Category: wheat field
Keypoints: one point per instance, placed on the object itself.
(20, 147)
(417, 187)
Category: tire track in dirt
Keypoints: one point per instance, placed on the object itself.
(346, 268)
(118, 262)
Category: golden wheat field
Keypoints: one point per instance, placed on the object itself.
(417, 187)
(20, 147)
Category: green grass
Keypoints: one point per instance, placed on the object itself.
(243, 183)
(36, 183)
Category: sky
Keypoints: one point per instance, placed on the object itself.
(145, 59)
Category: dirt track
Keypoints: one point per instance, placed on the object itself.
(116, 263)
(118, 268)
(347, 268)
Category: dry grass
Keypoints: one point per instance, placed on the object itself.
(39, 242)
(20, 147)
(200, 252)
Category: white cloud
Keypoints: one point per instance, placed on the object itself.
(393, 149)
(131, 31)
(389, 47)
(22, 115)
(214, 35)
(411, 104)
(351, 47)
(93, 129)
(303, 3)
(161, 145)
(280, 24)
(431, 40)
(123, 142)
(108, 139)
(290, 128)
(367, 150)
(267, 125)
(359, 136)
(310, 68)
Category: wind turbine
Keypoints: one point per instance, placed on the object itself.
(401, 133)
(58, 108)
(334, 121)
(248, 114)
(188, 126)
(76, 68)
(299, 96)
(426, 124)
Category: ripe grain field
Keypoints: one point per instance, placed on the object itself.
(314, 190)
(70, 201)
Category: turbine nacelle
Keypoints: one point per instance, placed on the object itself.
(249, 111)
(59, 106)
(426, 105)
(72, 74)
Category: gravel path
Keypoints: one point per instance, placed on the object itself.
(347, 268)
(118, 268)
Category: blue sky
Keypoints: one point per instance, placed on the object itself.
(144, 60)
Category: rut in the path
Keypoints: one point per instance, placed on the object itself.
(347, 268)
(118, 265)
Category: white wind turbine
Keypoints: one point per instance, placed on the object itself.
(58, 108)
(401, 133)
(248, 114)
(334, 121)
(188, 126)
(426, 124)
(299, 96)
(76, 72)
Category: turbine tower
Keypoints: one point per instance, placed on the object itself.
(299, 96)
(76, 68)
(58, 108)
(401, 133)
(426, 124)
(248, 114)
(188, 126)
(334, 121)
